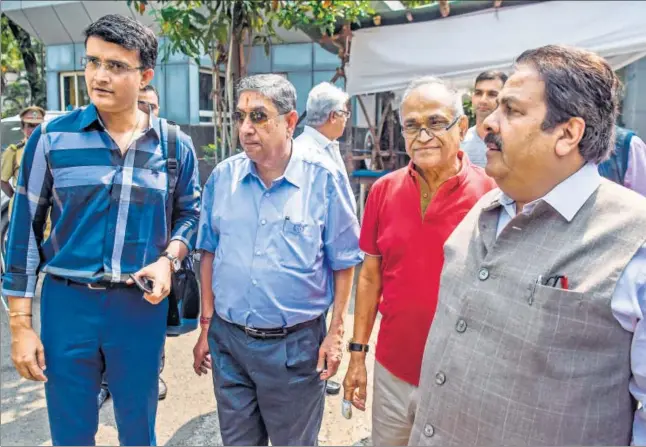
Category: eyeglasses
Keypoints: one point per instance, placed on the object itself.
(113, 67)
(413, 130)
(347, 113)
(29, 125)
(257, 117)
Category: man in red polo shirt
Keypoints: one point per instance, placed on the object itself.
(409, 215)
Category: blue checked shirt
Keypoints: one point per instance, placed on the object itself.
(107, 209)
(276, 249)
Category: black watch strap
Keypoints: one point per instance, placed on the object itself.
(357, 347)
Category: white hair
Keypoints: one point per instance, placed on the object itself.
(324, 99)
(458, 108)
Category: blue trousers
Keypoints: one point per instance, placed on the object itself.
(86, 332)
(267, 389)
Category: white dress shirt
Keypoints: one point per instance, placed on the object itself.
(316, 140)
(628, 302)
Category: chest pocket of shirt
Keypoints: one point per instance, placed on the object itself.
(299, 244)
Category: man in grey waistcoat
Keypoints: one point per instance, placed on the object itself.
(539, 337)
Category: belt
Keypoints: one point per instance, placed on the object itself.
(97, 285)
(269, 334)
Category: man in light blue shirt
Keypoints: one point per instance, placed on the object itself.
(484, 99)
(280, 240)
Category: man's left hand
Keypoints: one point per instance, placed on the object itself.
(330, 354)
(160, 274)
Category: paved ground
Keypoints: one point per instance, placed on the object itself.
(186, 417)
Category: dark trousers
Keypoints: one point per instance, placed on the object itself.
(267, 389)
(83, 332)
(104, 379)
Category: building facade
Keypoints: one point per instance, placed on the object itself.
(184, 86)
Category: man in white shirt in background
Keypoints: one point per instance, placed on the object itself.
(485, 100)
(327, 114)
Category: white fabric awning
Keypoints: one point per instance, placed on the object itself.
(458, 48)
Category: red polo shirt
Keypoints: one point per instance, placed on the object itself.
(411, 250)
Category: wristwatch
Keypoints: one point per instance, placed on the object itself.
(357, 347)
(175, 264)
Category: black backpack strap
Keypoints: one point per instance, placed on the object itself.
(171, 160)
(171, 168)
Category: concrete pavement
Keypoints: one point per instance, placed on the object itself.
(186, 417)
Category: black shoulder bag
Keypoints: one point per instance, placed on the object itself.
(184, 298)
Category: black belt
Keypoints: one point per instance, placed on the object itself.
(97, 285)
(269, 334)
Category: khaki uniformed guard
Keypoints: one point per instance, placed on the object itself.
(30, 118)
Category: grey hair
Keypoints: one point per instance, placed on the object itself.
(324, 99)
(457, 109)
(278, 89)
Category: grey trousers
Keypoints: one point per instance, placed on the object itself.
(267, 389)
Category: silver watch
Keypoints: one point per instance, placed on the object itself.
(175, 263)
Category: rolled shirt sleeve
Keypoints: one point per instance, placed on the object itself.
(186, 202)
(341, 232)
(208, 235)
(28, 217)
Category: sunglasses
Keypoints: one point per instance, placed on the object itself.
(30, 125)
(257, 117)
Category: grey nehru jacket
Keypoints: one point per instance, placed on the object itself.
(509, 362)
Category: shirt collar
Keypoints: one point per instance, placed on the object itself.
(473, 133)
(566, 198)
(90, 116)
(320, 139)
(294, 172)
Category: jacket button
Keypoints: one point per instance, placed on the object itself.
(429, 431)
(483, 274)
(440, 378)
(461, 326)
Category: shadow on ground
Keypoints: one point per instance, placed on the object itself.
(202, 430)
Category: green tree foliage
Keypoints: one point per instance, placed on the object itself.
(23, 57)
(222, 29)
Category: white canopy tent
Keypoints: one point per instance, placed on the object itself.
(458, 48)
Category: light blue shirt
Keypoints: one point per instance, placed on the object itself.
(276, 248)
(629, 299)
(475, 147)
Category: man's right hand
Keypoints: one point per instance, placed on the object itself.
(355, 382)
(201, 355)
(28, 354)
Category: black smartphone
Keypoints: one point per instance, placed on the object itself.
(144, 284)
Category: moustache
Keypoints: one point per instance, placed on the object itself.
(493, 139)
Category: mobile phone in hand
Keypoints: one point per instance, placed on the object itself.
(144, 284)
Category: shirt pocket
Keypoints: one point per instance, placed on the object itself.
(299, 244)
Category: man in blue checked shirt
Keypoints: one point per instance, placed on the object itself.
(102, 171)
(280, 240)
